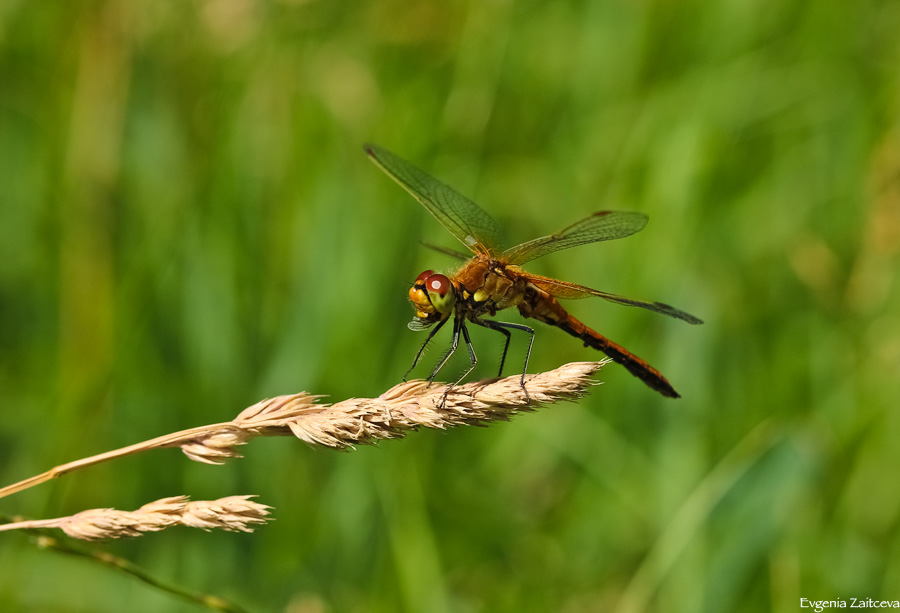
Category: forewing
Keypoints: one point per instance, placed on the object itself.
(601, 226)
(565, 290)
(462, 217)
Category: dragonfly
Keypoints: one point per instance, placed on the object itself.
(491, 279)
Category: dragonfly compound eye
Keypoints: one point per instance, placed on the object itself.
(420, 280)
(440, 293)
(437, 284)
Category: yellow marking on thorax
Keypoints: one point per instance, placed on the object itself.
(490, 281)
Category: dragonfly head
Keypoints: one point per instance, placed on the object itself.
(432, 295)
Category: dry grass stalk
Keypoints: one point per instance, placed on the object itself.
(402, 408)
(234, 513)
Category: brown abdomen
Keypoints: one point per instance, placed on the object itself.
(545, 308)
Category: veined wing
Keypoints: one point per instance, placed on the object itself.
(601, 226)
(565, 290)
(462, 217)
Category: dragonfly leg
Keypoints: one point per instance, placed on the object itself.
(504, 327)
(457, 324)
(491, 325)
(473, 359)
(431, 334)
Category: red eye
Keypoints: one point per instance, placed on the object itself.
(420, 280)
(438, 284)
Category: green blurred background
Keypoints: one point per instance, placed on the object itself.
(188, 224)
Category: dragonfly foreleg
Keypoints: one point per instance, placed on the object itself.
(473, 359)
(457, 324)
(431, 334)
(504, 327)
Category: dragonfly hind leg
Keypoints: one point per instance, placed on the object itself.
(505, 333)
(504, 328)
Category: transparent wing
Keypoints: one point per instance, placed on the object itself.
(462, 217)
(565, 290)
(453, 253)
(602, 226)
(417, 325)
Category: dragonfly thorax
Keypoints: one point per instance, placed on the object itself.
(431, 294)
